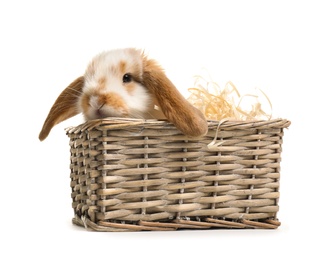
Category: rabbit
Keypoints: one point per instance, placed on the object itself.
(125, 83)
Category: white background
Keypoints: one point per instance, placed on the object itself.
(272, 45)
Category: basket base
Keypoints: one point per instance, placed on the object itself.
(177, 224)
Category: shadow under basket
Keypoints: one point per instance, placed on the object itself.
(135, 175)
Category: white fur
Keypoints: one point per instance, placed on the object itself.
(103, 66)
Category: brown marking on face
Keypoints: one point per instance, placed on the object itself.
(130, 87)
(122, 67)
(113, 100)
(101, 83)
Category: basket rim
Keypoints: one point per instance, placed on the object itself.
(119, 123)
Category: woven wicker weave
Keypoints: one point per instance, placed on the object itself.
(129, 174)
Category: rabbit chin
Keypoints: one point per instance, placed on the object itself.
(108, 111)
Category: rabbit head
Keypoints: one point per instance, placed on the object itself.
(125, 83)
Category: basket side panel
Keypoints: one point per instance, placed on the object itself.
(138, 175)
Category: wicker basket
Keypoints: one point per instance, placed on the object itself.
(132, 175)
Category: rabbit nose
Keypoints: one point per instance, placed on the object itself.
(99, 111)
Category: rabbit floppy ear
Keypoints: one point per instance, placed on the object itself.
(175, 107)
(64, 107)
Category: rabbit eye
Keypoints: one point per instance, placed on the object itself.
(127, 78)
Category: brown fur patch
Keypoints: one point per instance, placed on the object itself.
(122, 67)
(101, 83)
(130, 87)
(114, 100)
